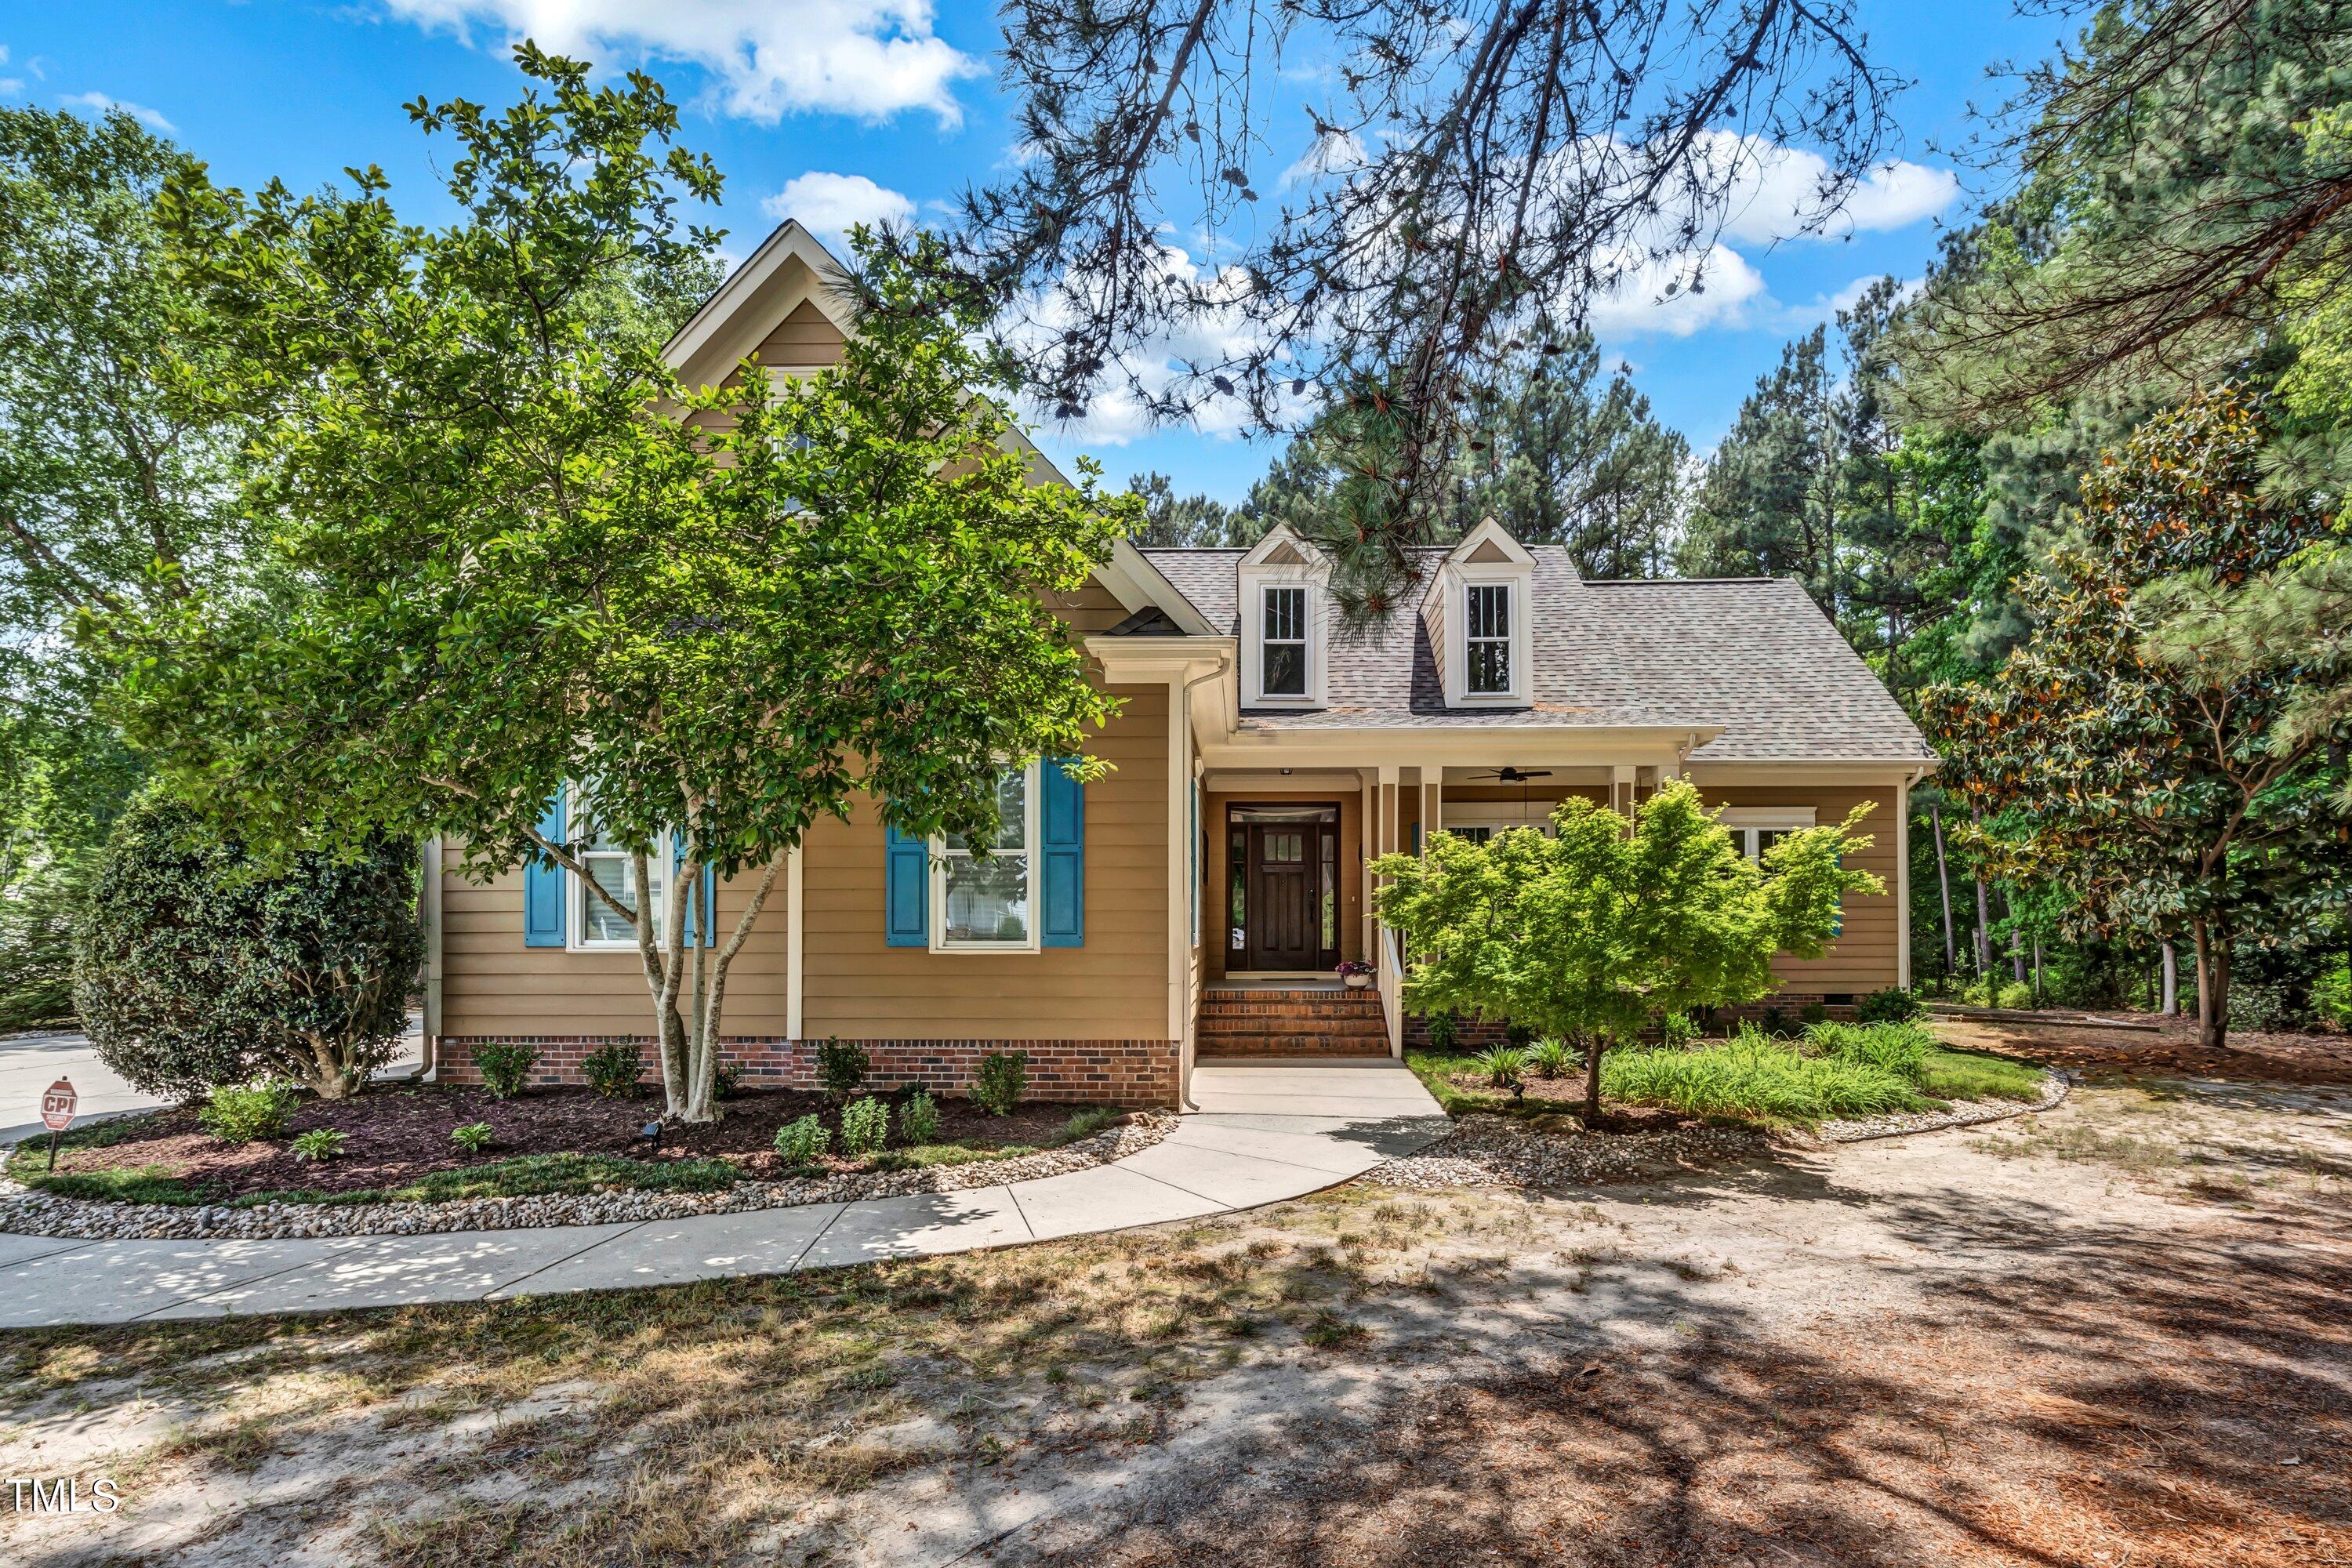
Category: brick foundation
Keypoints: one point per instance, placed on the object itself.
(1095, 1072)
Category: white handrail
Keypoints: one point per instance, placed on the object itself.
(1392, 978)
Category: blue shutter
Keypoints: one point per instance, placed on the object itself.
(542, 883)
(905, 890)
(709, 896)
(1064, 832)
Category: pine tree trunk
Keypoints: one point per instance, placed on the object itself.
(2169, 1003)
(1944, 886)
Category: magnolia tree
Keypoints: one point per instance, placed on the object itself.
(511, 556)
(1598, 934)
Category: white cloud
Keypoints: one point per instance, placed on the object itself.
(771, 57)
(1120, 413)
(99, 104)
(827, 204)
(1678, 296)
(1776, 191)
(1336, 152)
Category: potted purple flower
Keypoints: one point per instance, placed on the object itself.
(1355, 972)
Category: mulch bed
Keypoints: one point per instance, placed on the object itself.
(2087, 1049)
(395, 1134)
(1564, 1097)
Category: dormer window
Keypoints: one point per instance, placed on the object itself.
(1477, 614)
(1283, 582)
(1282, 643)
(1487, 635)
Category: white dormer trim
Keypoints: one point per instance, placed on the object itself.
(1487, 558)
(1282, 560)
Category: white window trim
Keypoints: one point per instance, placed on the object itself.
(1304, 641)
(1513, 615)
(1033, 817)
(1458, 656)
(1501, 815)
(1747, 821)
(1253, 578)
(576, 894)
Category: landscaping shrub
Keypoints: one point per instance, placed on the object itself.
(505, 1066)
(1892, 1005)
(1519, 1037)
(1084, 1124)
(2014, 996)
(726, 1082)
(613, 1069)
(1898, 1049)
(318, 1143)
(919, 1119)
(801, 1142)
(2270, 1006)
(192, 972)
(841, 1068)
(2332, 997)
(864, 1127)
(1502, 1064)
(1004, 1078)
(1444, 1028)
(472, 1137)
(1551, 1059)
(1775, 1023)
(242, 1113)
(1813, 1013)
(1677, 1029)
(1756, 1078)
(39, 911)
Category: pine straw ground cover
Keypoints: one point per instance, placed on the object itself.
(2117, 1333)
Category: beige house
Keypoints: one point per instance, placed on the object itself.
(1194, 900)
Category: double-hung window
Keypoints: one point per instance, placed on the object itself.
(595, 924)
(1756, 828)
(991, 903)
(1487, 639)
(1282, 643)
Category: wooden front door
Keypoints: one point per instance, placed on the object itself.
(1284, 931)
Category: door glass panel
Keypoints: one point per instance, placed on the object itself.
(1285, 848)
(1237, 887)
(1330, 892)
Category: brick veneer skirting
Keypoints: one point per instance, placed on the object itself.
(1116, 1072)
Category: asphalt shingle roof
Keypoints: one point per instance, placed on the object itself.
(1754, 656)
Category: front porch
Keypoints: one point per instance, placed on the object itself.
(1287, 888)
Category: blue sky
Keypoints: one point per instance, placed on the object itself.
(838, 109)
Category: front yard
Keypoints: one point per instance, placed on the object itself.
(2117, 1332)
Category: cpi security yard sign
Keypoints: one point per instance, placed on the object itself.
(58, 1103)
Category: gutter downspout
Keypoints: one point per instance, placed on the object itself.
(428, 909)
(1180, 973)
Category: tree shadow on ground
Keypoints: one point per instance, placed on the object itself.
(2183, 1398)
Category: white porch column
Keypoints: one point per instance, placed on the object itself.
(1367, 842)
(1432, 804)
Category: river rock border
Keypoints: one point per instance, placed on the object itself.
(1957, 1113)
(26, 1211)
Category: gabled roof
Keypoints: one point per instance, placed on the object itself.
(1755, 656)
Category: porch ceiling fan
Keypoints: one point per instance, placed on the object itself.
(1509, 775)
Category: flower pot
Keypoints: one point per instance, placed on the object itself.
(1357, 981)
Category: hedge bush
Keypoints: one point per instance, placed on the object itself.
(192, 970)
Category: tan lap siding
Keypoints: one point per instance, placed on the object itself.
(1863, 958)
(1113, 988)
(493, 984)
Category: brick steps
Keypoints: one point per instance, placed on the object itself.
(1291, 1023)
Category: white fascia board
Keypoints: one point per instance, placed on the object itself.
(722, 332)
(1136, 582)
(1811, 770)
(1454, 745)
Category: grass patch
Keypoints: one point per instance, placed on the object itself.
(1436, 1070)
(1756, 1080)
(1973, 1075)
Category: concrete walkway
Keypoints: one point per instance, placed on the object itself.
(1263, 1133)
